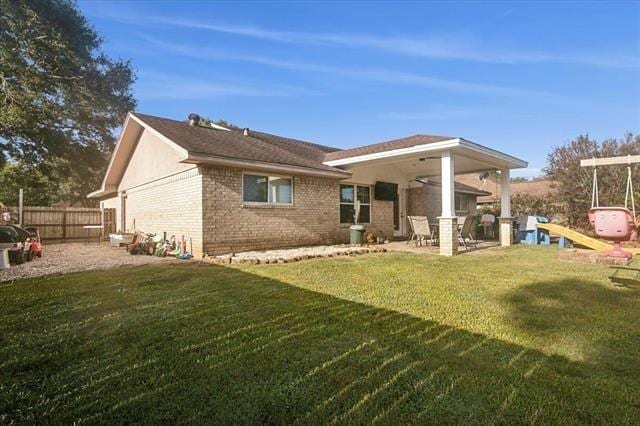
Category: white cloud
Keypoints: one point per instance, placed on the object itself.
(155, 85)
(444, 47)
(370, 74)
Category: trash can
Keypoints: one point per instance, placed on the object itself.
(4, 259)
(355, 234)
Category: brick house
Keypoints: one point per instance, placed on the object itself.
(232, 189)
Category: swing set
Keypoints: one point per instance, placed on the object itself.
(615, 224)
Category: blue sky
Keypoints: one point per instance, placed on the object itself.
(518, 77)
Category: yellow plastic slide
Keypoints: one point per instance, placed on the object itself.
(582, 239)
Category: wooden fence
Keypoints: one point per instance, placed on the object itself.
(59, 223)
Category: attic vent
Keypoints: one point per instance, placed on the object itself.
(194, 119)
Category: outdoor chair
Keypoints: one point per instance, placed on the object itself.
(420, 230)
(465, 234)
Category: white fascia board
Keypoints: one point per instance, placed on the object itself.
(162, 137)
(112, 159)
(256, 165)
(102, 192)
(513, 162)
(96, 194)
(450, 143)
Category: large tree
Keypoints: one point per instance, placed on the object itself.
(39, 190)
(574, 183)
(61, 97)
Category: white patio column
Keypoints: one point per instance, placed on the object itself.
(506, 221)
(447, 220)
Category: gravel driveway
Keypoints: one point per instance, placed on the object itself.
(73, 257)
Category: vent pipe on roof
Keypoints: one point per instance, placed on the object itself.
(194, 119)
(245, 131)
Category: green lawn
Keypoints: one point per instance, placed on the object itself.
(500, 336)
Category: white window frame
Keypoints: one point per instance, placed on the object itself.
(461, 196)
(266, 203)
(355, 198)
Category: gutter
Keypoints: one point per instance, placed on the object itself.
(257, 165)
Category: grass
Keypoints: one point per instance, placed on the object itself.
(496, 337)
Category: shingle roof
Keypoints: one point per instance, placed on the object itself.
(385, 146)
(233, 144)
(461, 187)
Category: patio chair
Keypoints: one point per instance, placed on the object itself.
(420, 230)
(465, 234)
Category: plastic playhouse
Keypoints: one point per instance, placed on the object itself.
(528, 232)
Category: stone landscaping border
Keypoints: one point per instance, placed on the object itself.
(292, 255)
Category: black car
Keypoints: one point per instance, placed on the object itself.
(17, 241)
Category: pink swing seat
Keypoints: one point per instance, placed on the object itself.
(615, 224)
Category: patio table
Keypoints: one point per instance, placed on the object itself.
(88, 228)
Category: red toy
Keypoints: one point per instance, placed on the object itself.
(35, 249)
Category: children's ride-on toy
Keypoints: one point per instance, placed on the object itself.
(36, 243)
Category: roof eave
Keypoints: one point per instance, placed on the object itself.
(450, 143)
(103, 185)
(478, 193)
(512, 162)
(194, 158)
(102, 193)
(506, 159)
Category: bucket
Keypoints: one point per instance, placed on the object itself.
(4, 259)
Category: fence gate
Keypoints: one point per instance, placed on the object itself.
(109, 222)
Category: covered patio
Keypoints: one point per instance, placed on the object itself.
(421, 158)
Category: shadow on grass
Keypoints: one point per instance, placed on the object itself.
(213, 344)
(600, 321)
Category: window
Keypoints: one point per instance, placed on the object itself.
(267, 189)
(349, 194)
(461, 203)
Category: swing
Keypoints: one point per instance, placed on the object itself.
(616, 224)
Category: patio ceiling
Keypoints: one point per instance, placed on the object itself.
(424, 160)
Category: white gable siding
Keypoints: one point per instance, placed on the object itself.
(152, 159)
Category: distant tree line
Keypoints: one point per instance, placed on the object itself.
(574, 183)
(571, 201)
